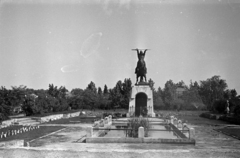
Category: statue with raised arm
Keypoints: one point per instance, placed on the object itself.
(141, 69)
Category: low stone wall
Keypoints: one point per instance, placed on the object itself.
(12, 121)
(7, 123)
(139, 140)
(51, 118)
(75, 114)
(56, 117)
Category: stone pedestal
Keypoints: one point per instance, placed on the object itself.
(141, 92)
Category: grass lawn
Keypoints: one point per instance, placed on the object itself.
(234, 132)
(30, 135)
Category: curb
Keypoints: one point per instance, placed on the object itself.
(45, 135)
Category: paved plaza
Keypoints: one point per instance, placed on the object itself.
(65, 143)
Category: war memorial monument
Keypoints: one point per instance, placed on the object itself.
(141, 95)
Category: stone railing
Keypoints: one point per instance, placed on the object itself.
(181, 126)
(103, 125)
(8, 133)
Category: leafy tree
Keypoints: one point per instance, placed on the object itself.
(103, 101)
(89, 99)
(233, 93)
(28, 106)
(54, 104)
(57, 100)
(75, 102)
(230, 93)
(151, 83)
(116, 96)
(120, 94)
(91, 86)
(192, 99)
(105, 90)
(100, 92)
(5, 103)
(126, 92)
(212, 89)
(219, 105)
(53, 91)
(177, 104)
(181, 84)
(5, 111)
(62, 92)
(169, 94)
(17, 95)
(157, 99)
(77, 91)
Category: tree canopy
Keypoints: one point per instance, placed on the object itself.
(210, 94)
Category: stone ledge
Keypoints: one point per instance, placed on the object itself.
(139, 140)
(113, 140)
(169, 141)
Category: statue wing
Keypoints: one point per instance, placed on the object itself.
(137, 52)
(145, 51)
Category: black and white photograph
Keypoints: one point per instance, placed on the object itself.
(119, 78)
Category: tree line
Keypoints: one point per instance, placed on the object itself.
(209, 94)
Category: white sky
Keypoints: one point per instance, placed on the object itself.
(70, 43)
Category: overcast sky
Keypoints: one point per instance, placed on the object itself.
(70, 43)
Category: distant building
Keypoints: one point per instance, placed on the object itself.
(33, 95)
(179, 91)
(18, 109)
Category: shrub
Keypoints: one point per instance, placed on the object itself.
(28, 107)
(134, 123)
(144, 112)
(5, 111)
(234, 105)
(219, 106)
(237, 110)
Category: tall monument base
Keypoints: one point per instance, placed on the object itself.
(141, 98)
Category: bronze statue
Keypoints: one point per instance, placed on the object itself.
(141, 69)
